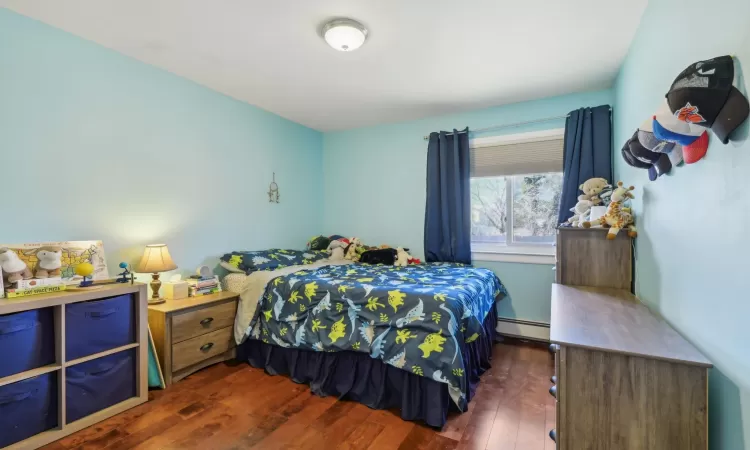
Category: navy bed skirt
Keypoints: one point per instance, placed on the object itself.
(356, 376)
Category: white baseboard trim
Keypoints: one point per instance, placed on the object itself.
(524, 329)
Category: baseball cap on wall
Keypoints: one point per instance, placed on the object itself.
(632, 160)
(661, 166)
(675, 155)
(694, 152)
(705, 94)
(650, 142)
(667, 127)
(640, 152)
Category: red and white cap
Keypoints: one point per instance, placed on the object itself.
(668, 127)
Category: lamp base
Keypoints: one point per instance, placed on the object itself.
(155, 286)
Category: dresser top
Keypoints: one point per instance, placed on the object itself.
(614, 320)
(171, 306)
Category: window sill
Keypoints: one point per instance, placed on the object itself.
(522, 256)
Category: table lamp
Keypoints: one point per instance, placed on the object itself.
(155, 259)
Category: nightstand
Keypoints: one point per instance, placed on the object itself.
(193, 333)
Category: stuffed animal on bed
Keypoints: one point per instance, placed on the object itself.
(351, 250)
(385, 256)
(336, 249)
(402, 257)
(318, 243)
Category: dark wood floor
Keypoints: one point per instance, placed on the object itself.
(235, 407)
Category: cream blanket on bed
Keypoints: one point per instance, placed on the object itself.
(255, 286)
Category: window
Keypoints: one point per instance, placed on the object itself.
(515, 192)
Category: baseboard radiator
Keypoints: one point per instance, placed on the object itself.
(524, 329)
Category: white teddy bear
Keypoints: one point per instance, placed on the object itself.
(581, 212)
(402, 257)
(50, 261)
(336, 250)
(14, 269)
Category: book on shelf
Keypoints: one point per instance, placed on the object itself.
(37, 282)
(15, 293)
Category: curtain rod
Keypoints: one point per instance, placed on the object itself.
(512, 125)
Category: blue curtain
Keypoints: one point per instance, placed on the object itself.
(587, 153)
(447, 221)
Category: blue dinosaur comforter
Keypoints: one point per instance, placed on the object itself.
(414, 318)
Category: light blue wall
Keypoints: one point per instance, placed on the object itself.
(96, 145)
(375, 186)
(693, 243)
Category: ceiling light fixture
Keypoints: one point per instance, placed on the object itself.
(345, 35)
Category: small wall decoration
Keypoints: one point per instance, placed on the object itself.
(273, 191)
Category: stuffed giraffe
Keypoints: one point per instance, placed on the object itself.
(617, 217)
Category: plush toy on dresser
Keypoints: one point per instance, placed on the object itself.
(591, 189)
(14, 269)
(50, 260)
(581, 212)
(615, 217)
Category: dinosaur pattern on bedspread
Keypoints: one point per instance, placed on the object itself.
(416, 318)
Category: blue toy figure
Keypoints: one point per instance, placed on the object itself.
(124, 273)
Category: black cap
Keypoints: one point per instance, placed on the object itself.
(661, 166)
(641, 152)
(703, 94)
(632, 160)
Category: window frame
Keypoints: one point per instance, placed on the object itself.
(511, 251)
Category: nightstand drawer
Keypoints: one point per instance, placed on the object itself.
(195, 350)
(205, 320)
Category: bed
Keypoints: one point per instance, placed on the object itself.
(414, 338)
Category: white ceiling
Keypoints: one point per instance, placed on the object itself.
(422, 57)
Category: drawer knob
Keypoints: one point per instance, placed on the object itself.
(207, 321)
(553, 391)
(553, 435)
(207, 347)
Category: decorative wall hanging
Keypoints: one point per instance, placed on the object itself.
(273, 191)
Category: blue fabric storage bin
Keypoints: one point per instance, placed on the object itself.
(27, 408)
(98, 384)
(27, 341)
(96, 326)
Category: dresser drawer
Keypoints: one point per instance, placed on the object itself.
(197, 349)
(205, 320)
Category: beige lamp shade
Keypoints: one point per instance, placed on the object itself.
(156, 258)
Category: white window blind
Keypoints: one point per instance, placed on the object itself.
(518, 155)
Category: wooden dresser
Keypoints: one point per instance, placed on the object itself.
(193, 333)
(624, 379)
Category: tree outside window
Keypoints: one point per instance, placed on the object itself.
(527, 217)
